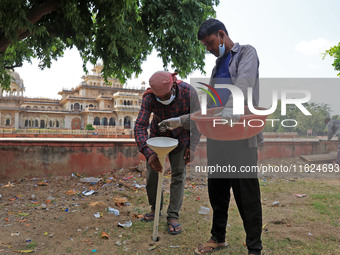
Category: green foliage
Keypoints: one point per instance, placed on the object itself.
(335, 53)
(89, 127)
(315, 121)
(120, 33)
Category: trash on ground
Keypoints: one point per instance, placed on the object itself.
(114, 211)
(97, 215)
(104, 235)
(120, 201)
(127, 224)
(88, 192)
(300, 195)
(152, 247)
(275, 203)
(90, 180)
(204, 210)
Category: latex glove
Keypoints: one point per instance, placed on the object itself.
(227, 114)
(170, 124)
(154, 163)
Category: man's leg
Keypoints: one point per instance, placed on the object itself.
(248, 200)
(178, 174)
(219, 196)
(247, 196)
(151, 187)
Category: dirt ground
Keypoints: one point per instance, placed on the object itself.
(56, 215)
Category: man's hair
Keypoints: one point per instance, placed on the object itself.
(327, 120)
(209, 27)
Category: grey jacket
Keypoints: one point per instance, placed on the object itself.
(333, 128)
(244, 72)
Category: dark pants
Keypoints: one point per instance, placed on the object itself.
(246, 191)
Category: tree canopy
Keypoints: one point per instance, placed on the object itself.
(335, 53)
(122, 33)
(315, 121)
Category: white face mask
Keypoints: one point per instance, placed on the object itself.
(221, 48)
(167, 102)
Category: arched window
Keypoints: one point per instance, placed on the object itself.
(71, 107)
(35, 107)
(112, 122)
(56, 123)
(42, 107)
(56, 108)
(30, 123)
(49, 108)
(96, 121)
(51, 123)
(26, 123)
(36, 123)
(124, 102)
(42, 124)
(8, 122)
(28, 107)
(104, 121)
(127, 122)
(76, 107)
(91, 105)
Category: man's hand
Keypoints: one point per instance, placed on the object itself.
(171, 124)
(189, 155)
(154, 163)
(227, 114)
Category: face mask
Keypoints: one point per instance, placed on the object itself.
(167, 102)
(221, 48)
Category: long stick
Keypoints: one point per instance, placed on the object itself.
(158, 199)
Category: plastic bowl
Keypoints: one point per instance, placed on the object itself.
(249, 125)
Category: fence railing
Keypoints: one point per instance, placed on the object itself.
(34, 131)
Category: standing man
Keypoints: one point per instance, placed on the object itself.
(238, 65)
(167, 98)
(333, 128)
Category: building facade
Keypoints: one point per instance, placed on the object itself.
(94, 101)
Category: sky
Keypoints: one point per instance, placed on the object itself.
(289, 36)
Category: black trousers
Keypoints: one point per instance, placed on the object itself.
(246, 191)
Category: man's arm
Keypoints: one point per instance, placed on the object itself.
(141, 127)
(247, 74)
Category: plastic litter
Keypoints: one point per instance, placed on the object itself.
(97, 215)
(300, 195)
(88, 192)
(275, 203)
(204, 210)
(15, 234)
(90, 180)
(127, 224)
(114, 211)
(118, 243)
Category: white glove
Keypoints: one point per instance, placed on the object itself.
(170, 124)
(227, 114)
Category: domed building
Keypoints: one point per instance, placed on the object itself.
(94, 101)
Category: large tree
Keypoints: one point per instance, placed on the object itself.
(335, 53)
(122, 33)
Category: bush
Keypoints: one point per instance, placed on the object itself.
(89, 127)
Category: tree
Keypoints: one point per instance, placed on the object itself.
(304, 122)
(122, 33)
(335, 53)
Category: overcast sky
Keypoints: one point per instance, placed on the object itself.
(289, 36)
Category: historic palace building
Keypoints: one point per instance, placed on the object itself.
(93, 101)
